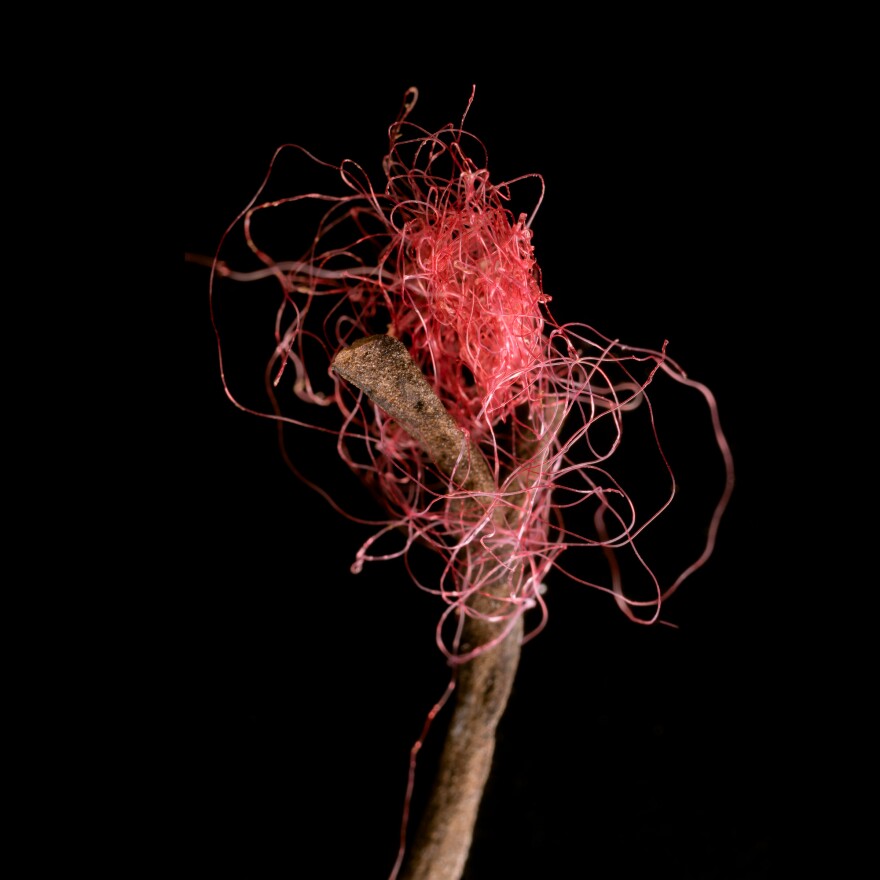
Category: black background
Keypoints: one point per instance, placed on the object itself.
(625, 749)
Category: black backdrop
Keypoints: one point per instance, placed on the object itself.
(625, 749)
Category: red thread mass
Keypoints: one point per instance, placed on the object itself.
(436, 258)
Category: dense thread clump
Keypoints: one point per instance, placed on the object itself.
(471, 305)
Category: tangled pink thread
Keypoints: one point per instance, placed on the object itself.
(436, 259)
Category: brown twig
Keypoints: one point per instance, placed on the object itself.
(383, 369)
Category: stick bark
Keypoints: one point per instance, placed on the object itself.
(383, 369)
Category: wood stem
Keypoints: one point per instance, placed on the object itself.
(383, 369)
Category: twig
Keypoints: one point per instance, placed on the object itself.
(383, 369)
